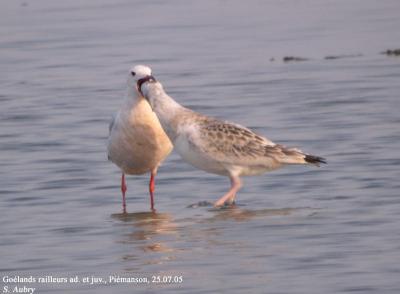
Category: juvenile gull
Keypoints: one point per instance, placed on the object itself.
(216, 146)
(137, 143)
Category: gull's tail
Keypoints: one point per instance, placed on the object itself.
(295, 156)
(314, 159)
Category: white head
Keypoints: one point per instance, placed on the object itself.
(138, 75)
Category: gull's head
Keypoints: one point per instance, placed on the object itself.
(138, 75)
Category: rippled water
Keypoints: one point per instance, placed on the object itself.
(297, 230)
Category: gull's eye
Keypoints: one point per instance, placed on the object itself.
(133, 73)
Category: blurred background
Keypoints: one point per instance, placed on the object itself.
(307, 74)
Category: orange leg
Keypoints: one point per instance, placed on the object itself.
(152, 187)
(229, 197)
(123, 190)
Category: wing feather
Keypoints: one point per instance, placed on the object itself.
(236, 145)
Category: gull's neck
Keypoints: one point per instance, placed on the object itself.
(132, 96)
(167, 109)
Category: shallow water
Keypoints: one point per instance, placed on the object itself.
(297, 230)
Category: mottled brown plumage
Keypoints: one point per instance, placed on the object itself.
(234, 144)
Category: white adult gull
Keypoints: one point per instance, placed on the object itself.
(216, 146)
(137, 144)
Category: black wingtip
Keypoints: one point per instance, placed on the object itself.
(315, 159)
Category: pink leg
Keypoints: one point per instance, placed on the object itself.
(123, 190)
(152, 187)
(236, 184)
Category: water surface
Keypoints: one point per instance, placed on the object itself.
(297, 230)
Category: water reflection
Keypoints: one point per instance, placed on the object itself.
(150, 222)
(237, 213)
(152, 238)
(149, 232)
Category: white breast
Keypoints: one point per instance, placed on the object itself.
(137, 142)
